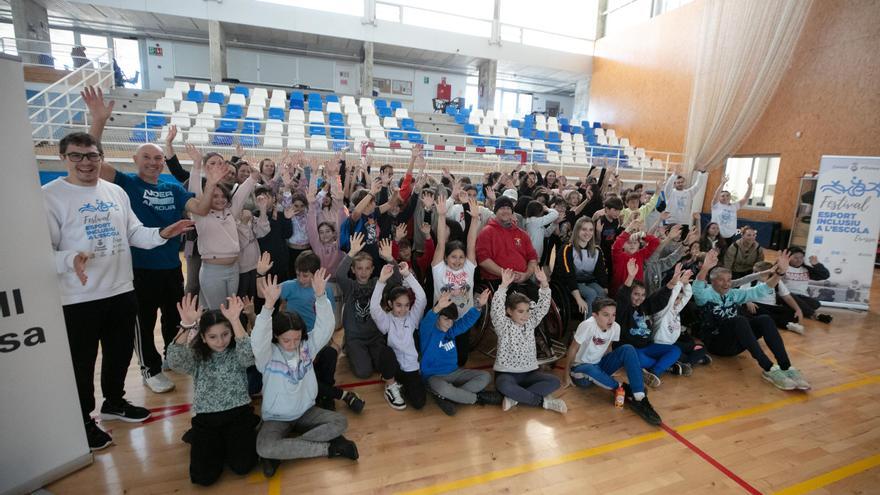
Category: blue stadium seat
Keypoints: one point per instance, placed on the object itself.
(339, 145)
(336, 119)
(381, 104)
(234, 111)
(215, 97)
(242, 90)
(516, 124)
(450, 110)
(554, 147)
(384, 112)
(141, 134)
(415, 137)
(156, 118)
(251, 125)
(540, 135)
(493, 142)
(276, 113)
(337, 132)
(196, 96)
(509, 144)
(565, 128)
(554, 137)
(586, 124)
(576, 129)
(597, 125)
(461, 119)
(297, 95)
(249, 140)
(470, 130)
(331, 99)
(315, 102)
(317, 130)
(222, 138)
(478, 141)
(408, 124)
(562, 121)
(227, 126)
(297, 104)
(395, 135)
(395, 104)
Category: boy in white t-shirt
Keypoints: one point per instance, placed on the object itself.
(588, 360)
(788, 316)
(724, 212)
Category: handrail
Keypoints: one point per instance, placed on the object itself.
(80, 70)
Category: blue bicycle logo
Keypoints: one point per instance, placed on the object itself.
(101, 207)
(857, 188)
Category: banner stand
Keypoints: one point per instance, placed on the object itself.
(42, 437)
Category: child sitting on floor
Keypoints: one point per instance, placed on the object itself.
(588, 360)
(446, 380)
(516, 364)
(797, 278)
(787, 316)
(667, 325)
(223, 428)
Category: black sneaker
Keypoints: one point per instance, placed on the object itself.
(644, 410)
(353, 400)
(681, 369)
(98, 438)
(124, 411)
(342, 447)
(707, 359)
(824, 318)
(444, 404)
(489, 398)
(187, 436)
(269, 466)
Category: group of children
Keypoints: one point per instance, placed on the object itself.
(289, 252)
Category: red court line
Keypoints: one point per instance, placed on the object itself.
(727, 472)
(166, 412)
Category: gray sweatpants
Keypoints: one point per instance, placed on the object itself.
(461, 385)
(216, 283)
(316, 427)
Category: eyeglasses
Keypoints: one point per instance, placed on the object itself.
(78, 157)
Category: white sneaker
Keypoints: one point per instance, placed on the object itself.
(553, 404)
(159, 383)
(651, 379)
(794, 375)
(507, 404)
(393, 397)
(795, 327)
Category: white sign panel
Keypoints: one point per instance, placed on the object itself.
(41, 431)
(844, 229)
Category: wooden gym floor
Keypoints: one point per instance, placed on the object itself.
(726, 431)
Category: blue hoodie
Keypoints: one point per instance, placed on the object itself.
(439, 355)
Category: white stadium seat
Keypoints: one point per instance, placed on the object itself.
(197, 135)
(296, 115)
(273, 141)
(177, 139)
(205, 88)
(181, 120)
(259, 94)
(512, 132)
(333, 107)
(237, 99)
(212, 109)
(347, 100)
(165, 105)
(624, 141)
(372, 121)
(389, 123)
(297, 143)
(366, 102)
(316, 117)
(274, 127)
(189, 107)
(255, 112)
(181, 86)
(173, 94)
(318, 143)
(279, 94)
(205, 121)
(296, 130)
(222, 88)
(401, 113)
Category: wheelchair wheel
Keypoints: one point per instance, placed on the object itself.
(552, 337)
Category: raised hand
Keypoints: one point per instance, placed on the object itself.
(319, 281)
(541, 277)
(93, 97)
(357, 244)
(675, 232)
(676, 276)
(270, 288)
(232, 309)
(400, 232)
(172, 133)
(192, 152)
(483, 298)
(264, 264)
(507, 276)
(427, 201)
(686, 277)
(426, 229)
(692, 237)
(239, 151)
(490, 193)
(385, 250)
(600, 226)
(177, 228)
(443, 301)
(248, 302)
(403, 266)
(441, 206)
(215, 172)
(416, 152)
(711, 260)
(189, 310)
(632, 267)
(782, 261)
(665, 216)
(375, 186)
(386, 272)
(474, 209)
(262, 202)
(79, 266)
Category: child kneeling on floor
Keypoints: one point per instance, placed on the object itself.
(223, 428)
(516, 363)
(448, 383)
(588, 360)
(284, 352)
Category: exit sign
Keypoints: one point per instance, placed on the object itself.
(155, 50)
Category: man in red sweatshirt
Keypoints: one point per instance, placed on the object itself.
(502, 244)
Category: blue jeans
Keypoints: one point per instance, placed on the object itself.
(657, 358)
(624, 356)
(590, 292)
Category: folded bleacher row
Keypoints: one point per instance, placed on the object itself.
(218, 115)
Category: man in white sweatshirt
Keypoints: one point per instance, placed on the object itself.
(92, 229)
(679, 201)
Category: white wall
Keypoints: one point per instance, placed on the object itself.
(566, 103)
(423, 93)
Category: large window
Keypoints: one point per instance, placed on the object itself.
(7, 38)
(473, 17)
(128, 57)
(347, 7)
(62, 43)
(763, 171)
(549, 23)
(624, 13)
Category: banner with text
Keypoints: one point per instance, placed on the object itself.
(844, 229)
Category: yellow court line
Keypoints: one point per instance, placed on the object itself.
(275, 484)
(610, 447)
(831, 476)
(830, 362)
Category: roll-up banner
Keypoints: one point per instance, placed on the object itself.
(844, 229)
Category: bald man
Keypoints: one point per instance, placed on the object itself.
(158, 280)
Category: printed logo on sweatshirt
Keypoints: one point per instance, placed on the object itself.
(447, 346)
(641, 329)
(159, 200)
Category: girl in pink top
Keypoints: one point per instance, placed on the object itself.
(322, 231)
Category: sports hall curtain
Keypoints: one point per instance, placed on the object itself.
(745, 48)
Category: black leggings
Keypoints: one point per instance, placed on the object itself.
(222, 438)
(807, 304)
(739, 333)
(325, 373)
(781, 315)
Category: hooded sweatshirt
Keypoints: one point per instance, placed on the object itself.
(289, 383)
(509, 247)
(439, 355)
(400, 329)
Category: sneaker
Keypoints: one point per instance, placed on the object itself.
(489, 398)
(353, 401)
(795, 375)
(342, 447)
(553, 404)
(270, 466)
(98, 438)
(445, 405)
(707, 360)
(507, 404)
(651, 379)
(124, 411)
(824, 318)
(645, 411)
(681, 369)
(393, 397)
(165, 366)
(795, 327)
(159, 383)
(779, 378)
